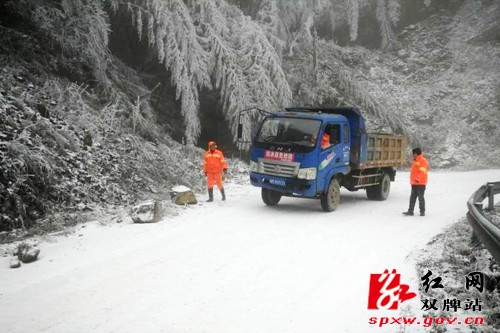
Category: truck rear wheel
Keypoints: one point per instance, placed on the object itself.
(381, 191)
(270, 197)
(330, 200)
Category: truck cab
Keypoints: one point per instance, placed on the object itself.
(289, 153)
(311, 152)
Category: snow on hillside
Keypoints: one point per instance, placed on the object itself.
(443, 82)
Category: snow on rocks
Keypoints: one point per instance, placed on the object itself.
(180, 189)
(146, 212)
(15, 263)
(182, 195)
(4, 252)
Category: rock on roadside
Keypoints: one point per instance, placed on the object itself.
(147, 212)
(182, 195)
(27, 253)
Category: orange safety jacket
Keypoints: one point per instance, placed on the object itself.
(214, 162)
(419, 171)
(325, 141)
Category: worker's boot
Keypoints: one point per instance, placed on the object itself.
(210, 195)
(223, 194)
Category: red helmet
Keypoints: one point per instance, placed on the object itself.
(212, 144)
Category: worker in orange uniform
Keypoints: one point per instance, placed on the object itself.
(215, 168)
(325, 141)
(418, 181)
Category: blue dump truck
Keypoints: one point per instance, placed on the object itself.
(312, 152)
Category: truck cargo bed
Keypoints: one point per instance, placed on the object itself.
(385, 150)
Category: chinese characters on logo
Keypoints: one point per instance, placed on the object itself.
(474, 279)
(427, 281)
(387, 292)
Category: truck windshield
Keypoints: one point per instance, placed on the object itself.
(289, 131)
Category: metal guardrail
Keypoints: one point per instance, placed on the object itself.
(487, 232)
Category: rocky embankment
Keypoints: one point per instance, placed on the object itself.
(62, 152)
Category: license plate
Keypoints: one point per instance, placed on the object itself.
(278, 182)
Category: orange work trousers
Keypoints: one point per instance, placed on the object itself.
(214, 178)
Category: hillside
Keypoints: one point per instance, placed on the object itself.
(66, 151)
(441, 81)
(445, 79)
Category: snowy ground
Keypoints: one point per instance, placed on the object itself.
(234, 266)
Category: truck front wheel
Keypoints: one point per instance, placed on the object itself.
(270, 197)
(381, 191)
(330, 200)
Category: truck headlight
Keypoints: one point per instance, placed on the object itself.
(254, 166)
(307, 173)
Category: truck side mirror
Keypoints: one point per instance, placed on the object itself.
(240, 131)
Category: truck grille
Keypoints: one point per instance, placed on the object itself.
(278, 168)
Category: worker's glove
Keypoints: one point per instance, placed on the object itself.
(416, 181)
(223, 177)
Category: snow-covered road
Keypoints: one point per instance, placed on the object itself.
(234, 266)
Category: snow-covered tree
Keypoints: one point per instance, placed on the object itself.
(211, 44)
(353, 17)
(337, 83)
(387, 14)
(269, 15)
(204, 44)
(295, 23)
(79, 28)
(291, 20)
(172, 32)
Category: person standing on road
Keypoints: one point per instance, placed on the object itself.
(215, 169)
(418, 180)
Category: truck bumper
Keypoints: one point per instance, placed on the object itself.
(287, 186)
